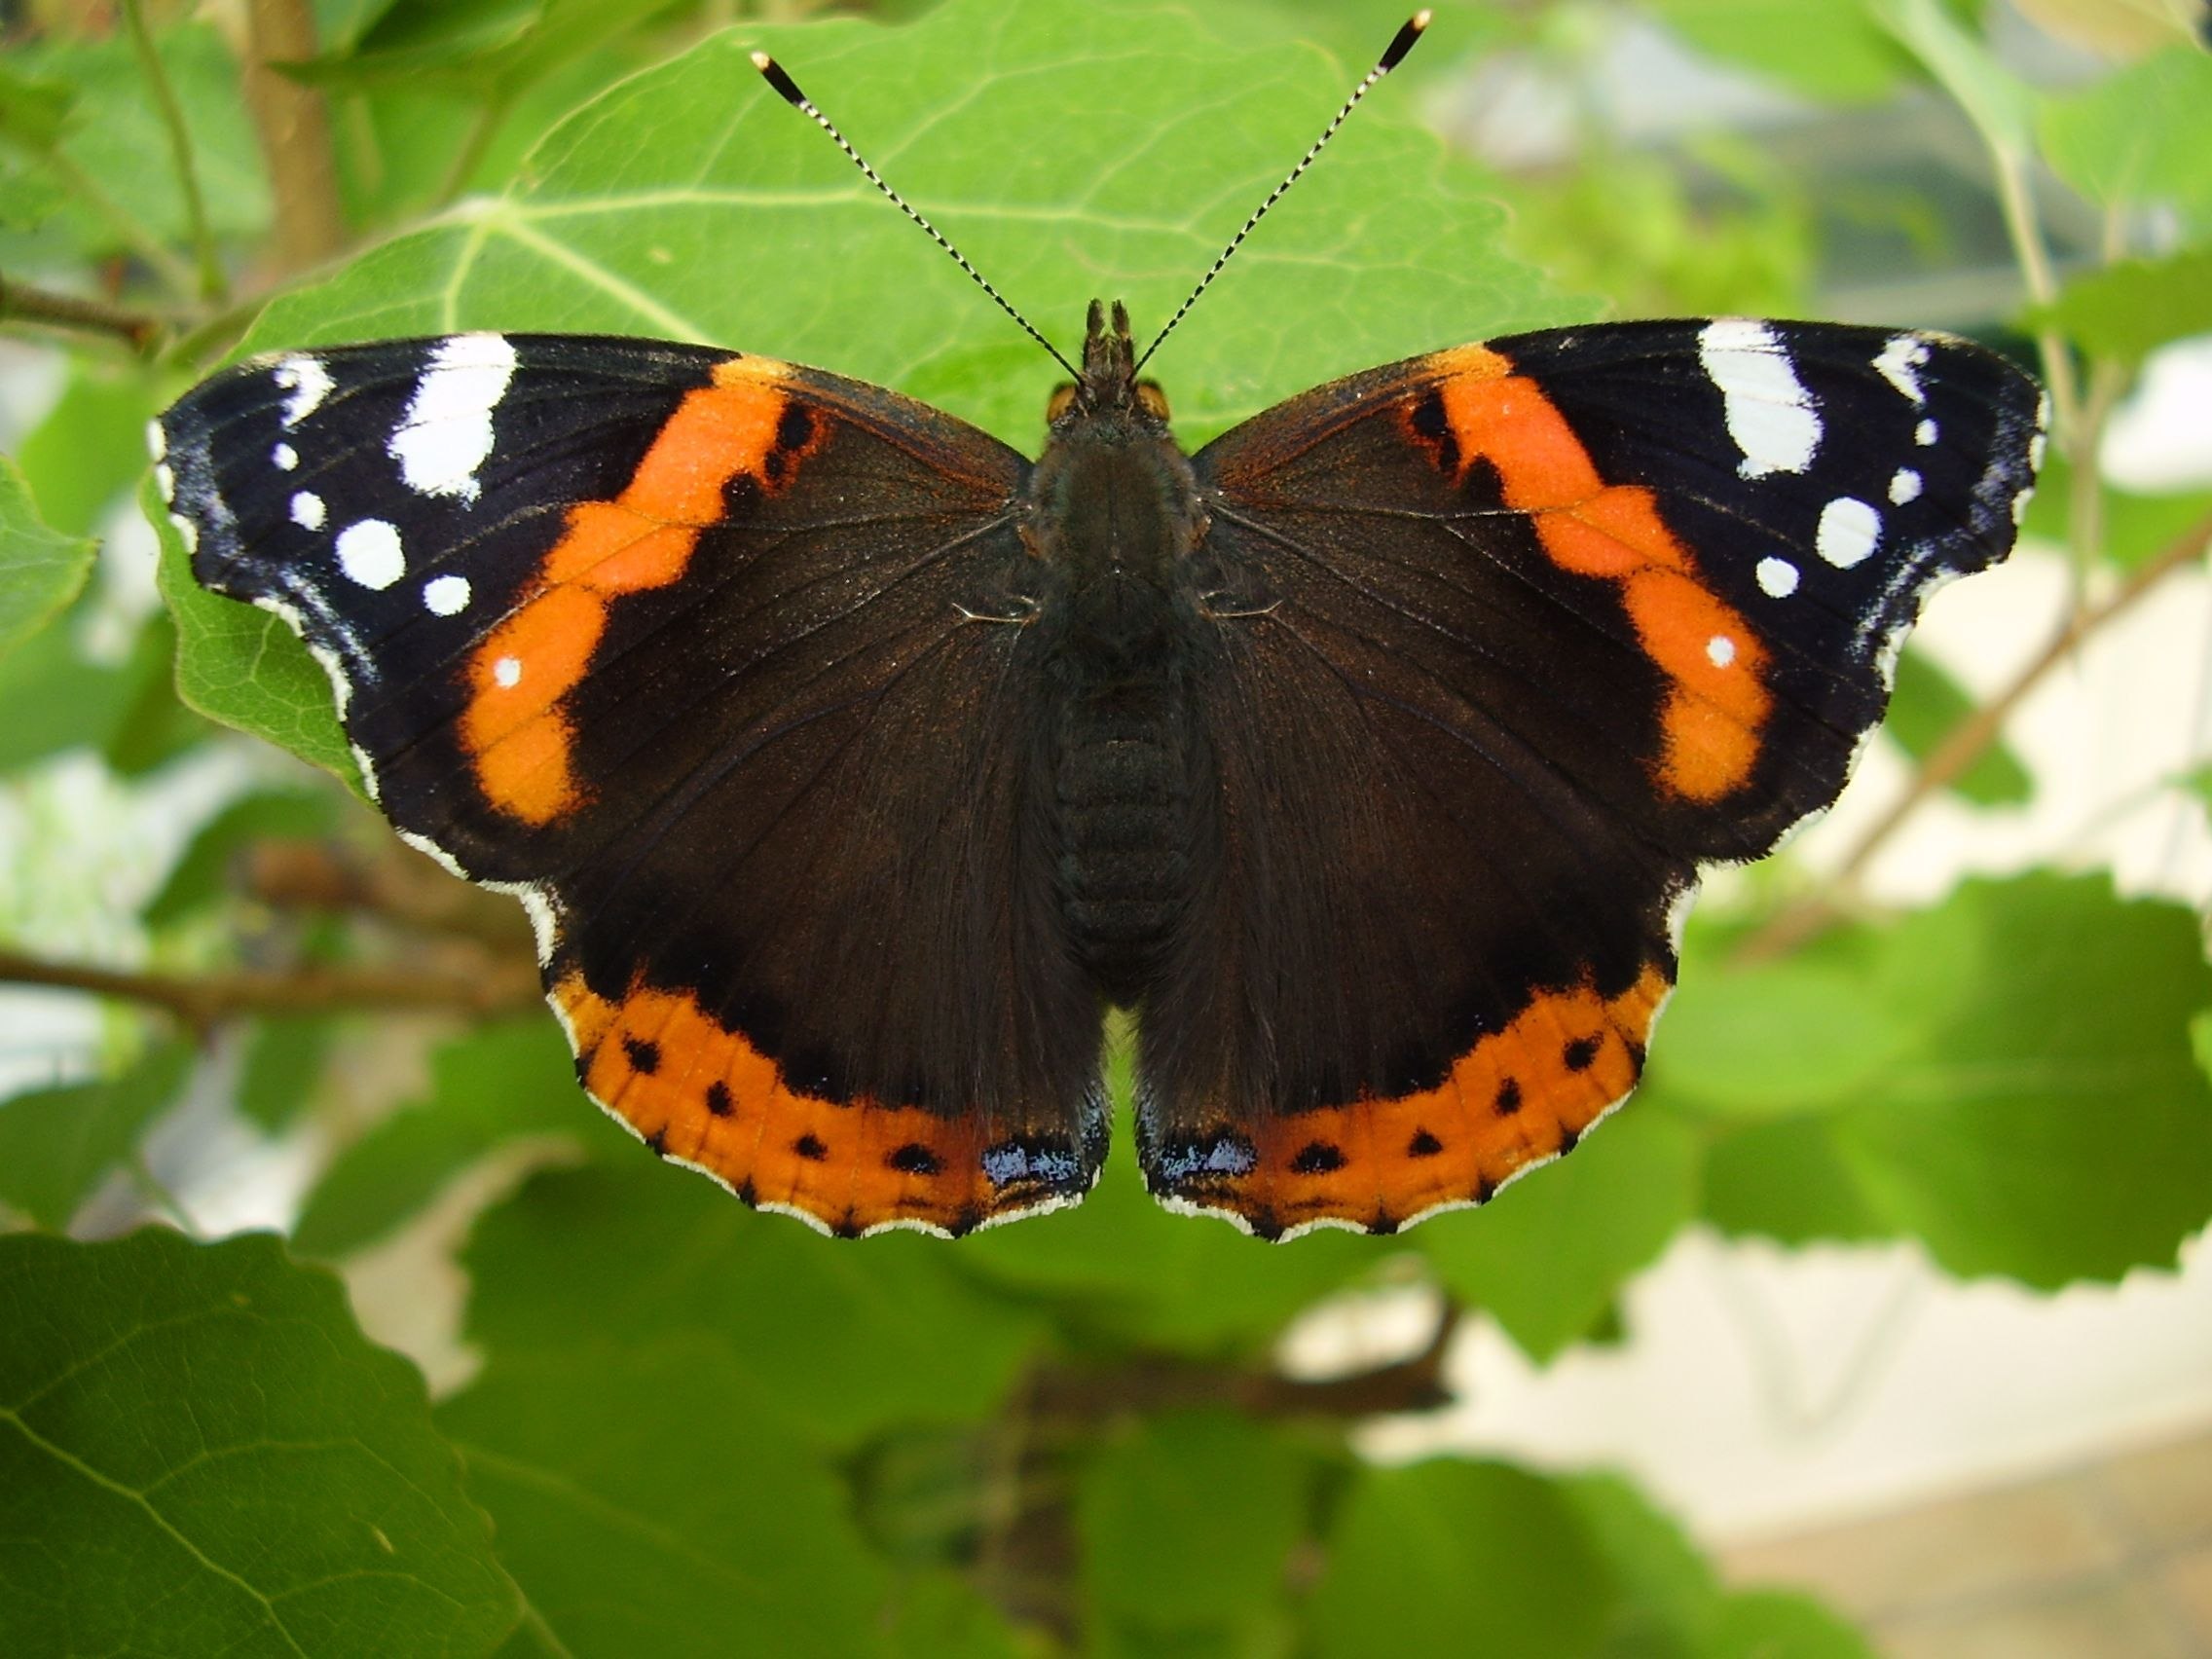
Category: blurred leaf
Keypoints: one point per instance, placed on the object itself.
(1582, 1566)
(1926, 706)
(340, 24)
(1788, 1037)
(854, 1340)
(202, 871)
(56, 700)
(1782, 1624)
(1829, 49)
(152, 726)
(57, 1144)
(493, 48)
(1999, 104)
(2137, 528)
(92, 445)
(1430, 1557)
(652, 1496)
(200, 1454)
(2118, 28)
(34, 109)
(115, 128)
(244, 667)
(499, 1081)
(1545, 1257)
(1187, 1522)
(2124, 311)
(284, 1061)
(41, 569)
(2047, 1123)
(2136, 136)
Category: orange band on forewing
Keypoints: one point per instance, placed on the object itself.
(515, 728)
(702, 1093)
(1717, 699)
(1516, 1097)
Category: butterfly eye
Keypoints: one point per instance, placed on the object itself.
(1155, 400)
(1063, 399)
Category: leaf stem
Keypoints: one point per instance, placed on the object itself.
(174, 273)
(212, 286)
(482, 127)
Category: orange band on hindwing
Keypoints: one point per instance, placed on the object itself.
(701, 1093)
(1715, 667)
(1516, 1097)
(516, 728)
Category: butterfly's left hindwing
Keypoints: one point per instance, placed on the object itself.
(1547, 624)
(683, 646)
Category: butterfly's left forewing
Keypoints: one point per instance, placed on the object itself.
(705, 657)
(1549, 622)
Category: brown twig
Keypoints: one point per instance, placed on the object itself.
(211, 283)
(293, 123)
(202, 1002)
(305, 874)
(20, 302)
(1969, 740)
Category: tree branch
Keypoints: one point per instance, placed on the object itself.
(21, 302)
(202, 1002)
(211, 283)
(294, 125)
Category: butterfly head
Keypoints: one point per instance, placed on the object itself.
(1108, 387)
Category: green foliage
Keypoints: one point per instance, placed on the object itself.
(695, 1429)
(41, 569)
(206, 1425)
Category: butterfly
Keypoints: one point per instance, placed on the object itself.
(851, 764)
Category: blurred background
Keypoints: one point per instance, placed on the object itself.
(1890, 1302)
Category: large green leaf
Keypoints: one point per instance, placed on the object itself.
(632, 216)
(1482, 1557)
(57, 1144)
(200, 1454)
(652, 1496)
(853, 1338)
(41, 569)
(2035, 1112)
(1546, 1256)
(1926, 706)
(91, 447)
(1187, 1524)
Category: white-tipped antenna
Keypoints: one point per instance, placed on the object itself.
(788, 90)
(1400, 44)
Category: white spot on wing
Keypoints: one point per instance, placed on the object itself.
(187, 532)
(2020, 504)
(446, 433)
(165, 480)
(2036, 446)
(1720, 651)
(1904, 486)
(446, 595)
(1769, 411)
(309, 382)
(1778, 578)
(157, 440)
(1901, 362)
(507, 671)
(284, 457)
(1924, 435)
(1849, 529)
(306, 511)
(369, 553)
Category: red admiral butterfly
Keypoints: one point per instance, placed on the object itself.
(851, 764)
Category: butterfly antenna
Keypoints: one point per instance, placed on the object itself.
(1400, 44)
(788, 90)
